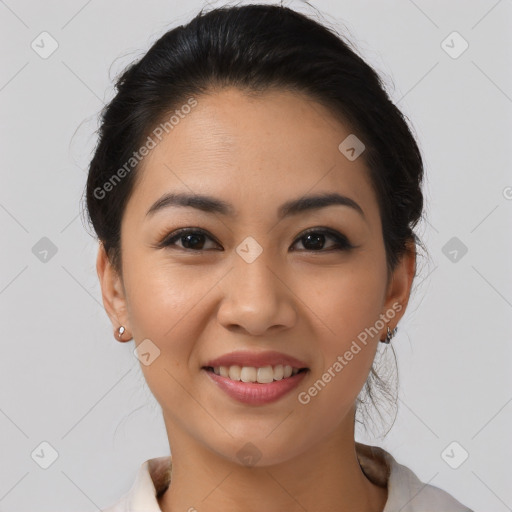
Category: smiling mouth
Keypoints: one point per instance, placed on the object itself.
(260, 375)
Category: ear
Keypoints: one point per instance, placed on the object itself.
(399, 287)
(113, 294)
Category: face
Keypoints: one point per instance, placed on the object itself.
(310, 283)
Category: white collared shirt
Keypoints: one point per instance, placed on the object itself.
(406, 493)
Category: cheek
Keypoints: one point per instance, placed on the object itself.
(348, 304)
(163, 306)
(161, 298)
(348, 301)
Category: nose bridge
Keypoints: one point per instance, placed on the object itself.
(254, 297)
(253, 282)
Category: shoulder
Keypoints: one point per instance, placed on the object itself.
(120, 506)
(406, 492)
(152, 478)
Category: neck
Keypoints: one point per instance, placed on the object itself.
(325, 477)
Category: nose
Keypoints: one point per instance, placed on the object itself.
(256, 299)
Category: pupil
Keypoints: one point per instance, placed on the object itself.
(193, 244)
(319, 241)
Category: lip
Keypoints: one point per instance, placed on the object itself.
(254, 393)
(256, 359)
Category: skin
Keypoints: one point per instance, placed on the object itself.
(256, 153)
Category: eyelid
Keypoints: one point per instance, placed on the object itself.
(165, 242)
(339, 237)
(343, 243)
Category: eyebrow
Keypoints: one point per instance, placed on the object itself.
(213, 205)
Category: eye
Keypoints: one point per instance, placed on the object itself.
(191, 239)
(314, 239)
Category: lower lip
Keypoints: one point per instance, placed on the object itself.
(255, 393)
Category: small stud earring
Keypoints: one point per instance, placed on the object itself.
(120, 331)
(389, 335)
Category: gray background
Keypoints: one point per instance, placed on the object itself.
(64, 379)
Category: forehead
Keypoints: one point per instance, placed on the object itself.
(254, 152)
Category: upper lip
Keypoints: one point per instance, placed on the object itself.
(255, 359)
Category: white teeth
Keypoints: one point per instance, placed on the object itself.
(263, 375)
(278, 372)
(248, 374)
(234, 372)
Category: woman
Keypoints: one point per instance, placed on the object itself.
(254, 192)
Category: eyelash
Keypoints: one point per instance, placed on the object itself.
(342, 242)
